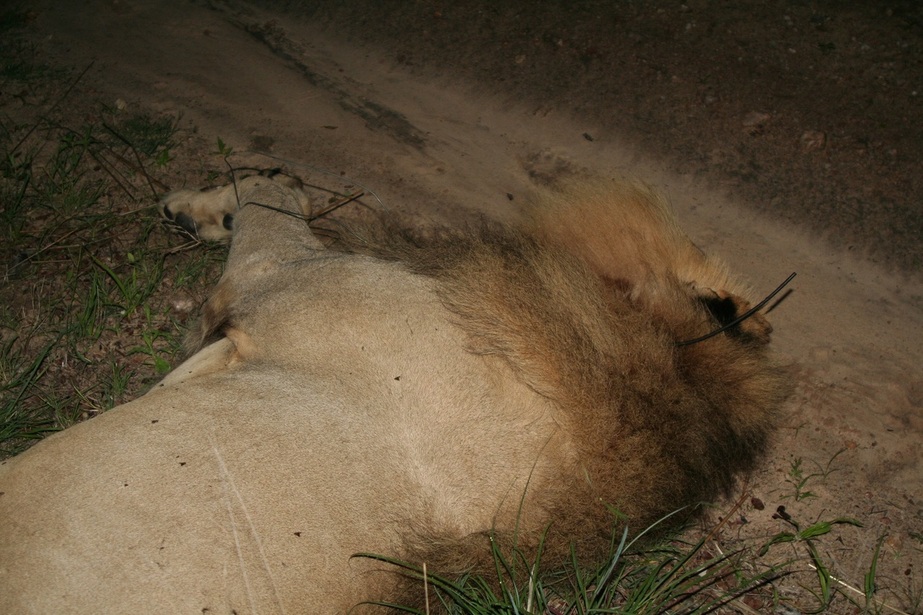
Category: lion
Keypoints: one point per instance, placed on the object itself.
(417, 397)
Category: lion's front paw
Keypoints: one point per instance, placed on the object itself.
(206, 214)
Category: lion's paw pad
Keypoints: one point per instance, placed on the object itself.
(207, 214)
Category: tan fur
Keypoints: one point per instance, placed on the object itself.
(638, 245)
(409, 397)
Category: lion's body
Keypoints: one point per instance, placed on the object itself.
(406, 403)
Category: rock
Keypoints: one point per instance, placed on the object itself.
(755, 118)
(812, 140)
(755, 122)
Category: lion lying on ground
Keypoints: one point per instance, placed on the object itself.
(407, 397)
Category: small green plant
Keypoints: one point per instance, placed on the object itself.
(157, 344)
(799, 478)
(224, 150)
(807, 538)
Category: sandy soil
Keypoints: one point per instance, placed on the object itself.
(441, 148)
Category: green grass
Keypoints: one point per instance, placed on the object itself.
(676, 574)
(798, 478)
(89, 276)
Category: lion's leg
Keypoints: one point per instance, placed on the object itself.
(270, 224)
(209, 214)
(270, 234)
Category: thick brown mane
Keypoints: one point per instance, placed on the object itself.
(653, 424)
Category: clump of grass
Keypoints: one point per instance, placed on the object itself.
(671, 575)
(88, 274)
(658, 571)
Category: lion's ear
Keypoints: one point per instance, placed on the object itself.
(725, 308)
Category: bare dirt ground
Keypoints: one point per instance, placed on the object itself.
(450, 110)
